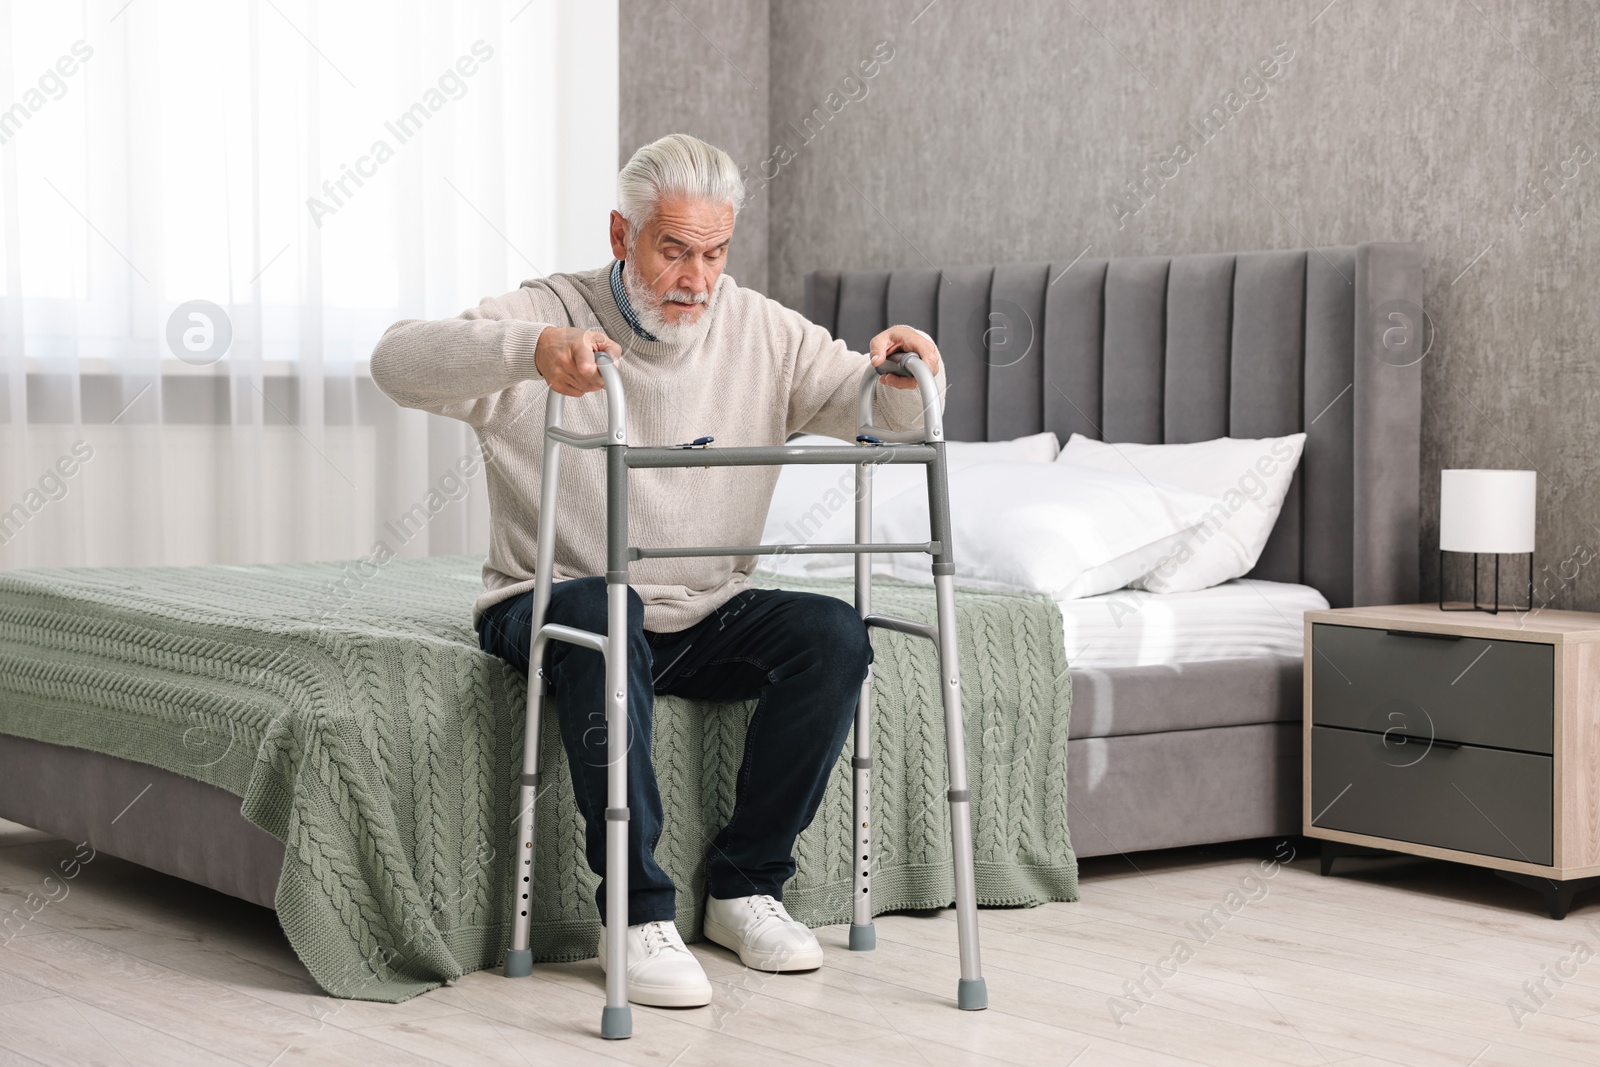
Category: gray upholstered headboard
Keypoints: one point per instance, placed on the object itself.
(1188, 348)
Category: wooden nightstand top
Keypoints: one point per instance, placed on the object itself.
(1544, 626)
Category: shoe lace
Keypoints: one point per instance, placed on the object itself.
(767, 907)
(656, 938)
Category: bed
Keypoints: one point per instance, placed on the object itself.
(1177, 349)
(1168, 747)
(327, 739)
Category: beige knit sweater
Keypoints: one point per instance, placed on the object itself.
(754, 373)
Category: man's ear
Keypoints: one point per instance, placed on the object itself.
(619, 235)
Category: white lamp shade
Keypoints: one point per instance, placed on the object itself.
(1486, 511)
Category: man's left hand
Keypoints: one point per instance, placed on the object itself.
(903, 339)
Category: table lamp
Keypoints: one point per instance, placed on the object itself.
(1484, 512)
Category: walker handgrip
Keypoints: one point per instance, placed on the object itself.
(616, 403)
(895, 363)
(911, 365)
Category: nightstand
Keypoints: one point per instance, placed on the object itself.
(1458, 736)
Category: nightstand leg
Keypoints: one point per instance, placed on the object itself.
(1332, 850)
(1557, 895)
(1559, 899)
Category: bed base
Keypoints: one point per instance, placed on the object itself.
(1227, 783)
(144, 814)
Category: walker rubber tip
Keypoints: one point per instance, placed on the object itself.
(519, 963)
(863, 938)
(616, 1023)
(972, 994)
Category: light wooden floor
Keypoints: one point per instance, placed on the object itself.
(1399, 962)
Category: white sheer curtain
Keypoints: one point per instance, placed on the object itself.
(284, 178)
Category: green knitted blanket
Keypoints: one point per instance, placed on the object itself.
(349, 707)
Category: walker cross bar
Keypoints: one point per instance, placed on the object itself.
(773, 550)
(775, 455)
(877, 445)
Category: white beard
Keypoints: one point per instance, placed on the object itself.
(647, 308)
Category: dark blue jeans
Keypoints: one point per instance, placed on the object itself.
(802, 656)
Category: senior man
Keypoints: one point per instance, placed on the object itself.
(698, 356)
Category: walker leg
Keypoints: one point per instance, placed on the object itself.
(616, 1021)
(519, 958)
(971, 992)
(863, 934)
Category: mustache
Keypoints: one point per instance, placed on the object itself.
(684, 296)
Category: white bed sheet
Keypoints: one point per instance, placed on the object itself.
(1244, 617)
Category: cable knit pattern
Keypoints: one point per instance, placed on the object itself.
(367, 732)
(432, 832)
(477, 799)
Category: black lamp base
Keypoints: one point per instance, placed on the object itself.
(1496, 607)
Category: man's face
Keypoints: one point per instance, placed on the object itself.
(678, 254)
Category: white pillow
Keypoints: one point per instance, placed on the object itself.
(1034, 448)
(1059, 530)
(1246, 480)
(815, 503)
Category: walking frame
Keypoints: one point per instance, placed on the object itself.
(925, 447)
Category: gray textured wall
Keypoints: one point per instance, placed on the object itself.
(701, 67)
(1000, 132)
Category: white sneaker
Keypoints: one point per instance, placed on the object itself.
(762, 933)
(661, 971)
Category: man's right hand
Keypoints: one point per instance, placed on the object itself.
(565, 355)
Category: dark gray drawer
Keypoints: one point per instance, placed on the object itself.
(1495, 693)
(1483, 800)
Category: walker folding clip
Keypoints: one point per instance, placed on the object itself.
(868, 439)
(698, 442)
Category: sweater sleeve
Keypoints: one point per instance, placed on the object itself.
(458, 366)
(827, 381)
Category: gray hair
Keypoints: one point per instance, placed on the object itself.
(679, 165)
